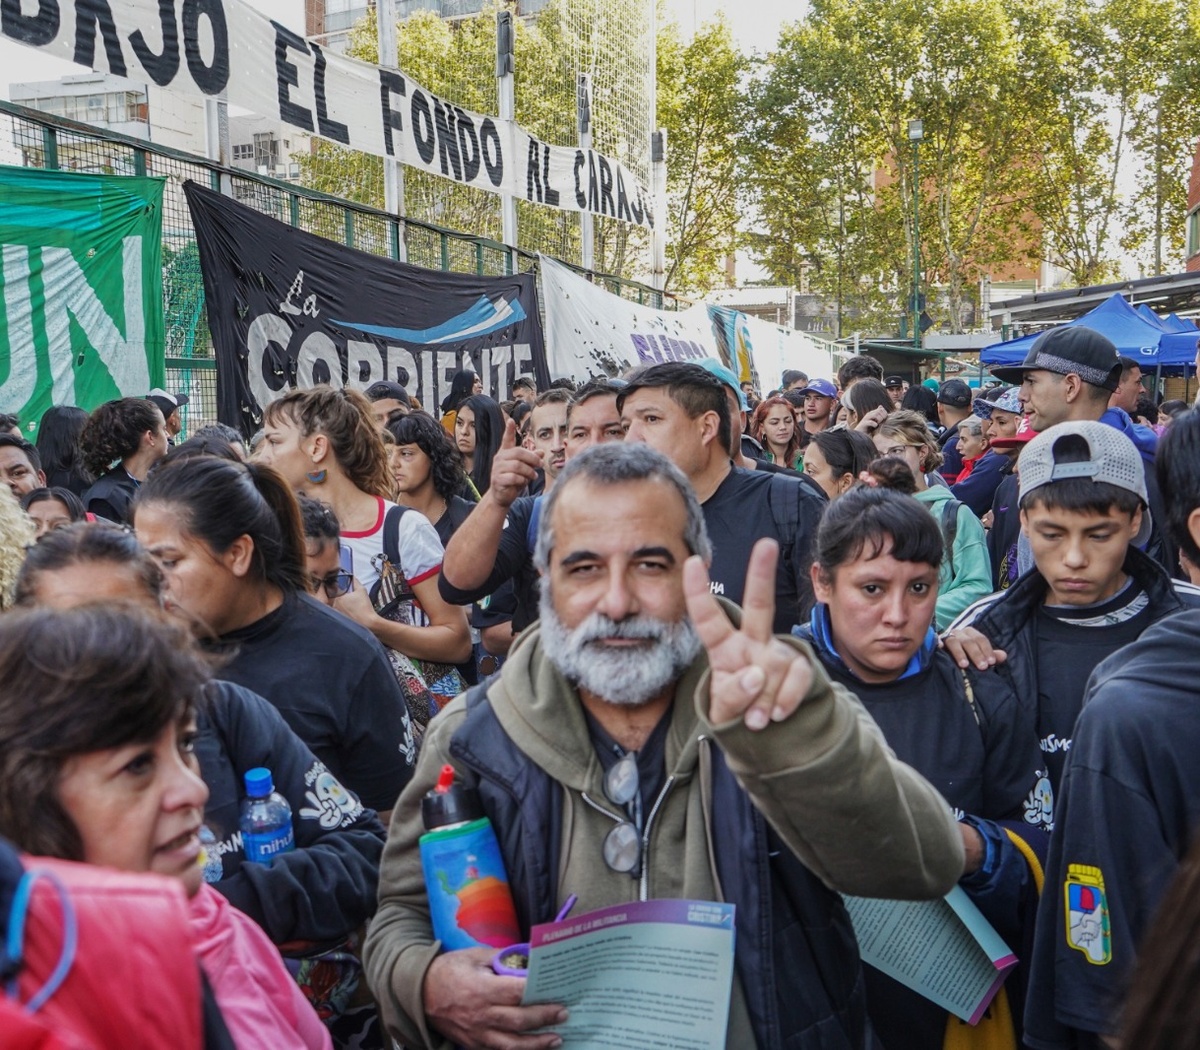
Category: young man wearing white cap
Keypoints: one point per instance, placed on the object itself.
(1091, 590)
(1128, 808)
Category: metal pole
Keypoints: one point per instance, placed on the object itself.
(917, 246)
(393, 171)
(658, 190)
(583, 121)
(506, 86)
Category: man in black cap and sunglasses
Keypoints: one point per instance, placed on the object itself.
(646, 740)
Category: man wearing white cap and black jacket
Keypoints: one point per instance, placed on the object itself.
(169, 405)
(1091, 591)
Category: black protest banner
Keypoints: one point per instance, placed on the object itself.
(289, 309)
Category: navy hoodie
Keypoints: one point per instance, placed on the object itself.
(968, 746)
(325, 888)
(1127, 808)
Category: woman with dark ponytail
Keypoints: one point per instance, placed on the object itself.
(59, 449)
(121, 441)
(463, 384)
(229, 541)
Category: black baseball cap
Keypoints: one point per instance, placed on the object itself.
(385, 390)
(894, 382)
(1069, 350)
(955, 393)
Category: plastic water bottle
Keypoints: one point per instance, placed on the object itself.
(266, 819)
(470, 903)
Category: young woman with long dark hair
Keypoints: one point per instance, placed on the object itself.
(228, 539)
(478, 431)
(774, 426)
(58, 446)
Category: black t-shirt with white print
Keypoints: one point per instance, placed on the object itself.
(1071, 641)
(333, 684)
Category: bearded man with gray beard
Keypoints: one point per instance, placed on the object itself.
(647, 740)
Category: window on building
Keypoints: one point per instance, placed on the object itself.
(266, 150)
(1193, 233)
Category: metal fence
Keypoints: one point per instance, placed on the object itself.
(29, 138)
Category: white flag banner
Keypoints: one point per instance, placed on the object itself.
(774, 348)
(225, 47)
(591, 332)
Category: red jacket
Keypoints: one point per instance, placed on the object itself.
(135, 979)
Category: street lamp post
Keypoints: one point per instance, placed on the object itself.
(916, 132)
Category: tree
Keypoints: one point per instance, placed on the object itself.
(1159, 80)
(831, 137)
(702, 106)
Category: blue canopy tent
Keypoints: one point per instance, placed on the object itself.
(1134, 335)
(1178, 349)
(1170, 323)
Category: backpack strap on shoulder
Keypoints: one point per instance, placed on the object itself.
(785, 509)
(391, 535)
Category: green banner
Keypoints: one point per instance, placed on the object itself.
(81, 314)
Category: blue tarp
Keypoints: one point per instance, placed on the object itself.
(1152, 340)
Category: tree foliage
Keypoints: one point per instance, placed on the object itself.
(841, 88)
(701, 105)
(1059, 130)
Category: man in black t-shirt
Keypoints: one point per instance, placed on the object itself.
(681, 409)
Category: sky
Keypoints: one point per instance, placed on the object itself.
(755, 23)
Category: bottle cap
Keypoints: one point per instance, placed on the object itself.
(449, 802)
(258, 782)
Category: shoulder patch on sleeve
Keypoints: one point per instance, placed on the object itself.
(1086, 905)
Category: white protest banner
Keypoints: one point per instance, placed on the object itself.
(774, 348)
(215, 47)
(591, 332)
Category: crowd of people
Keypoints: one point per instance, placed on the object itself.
(860, 636)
